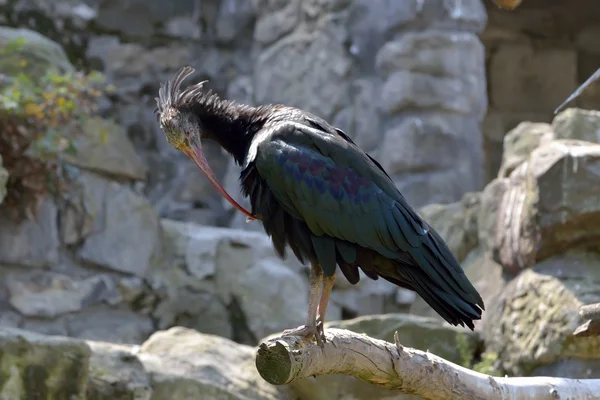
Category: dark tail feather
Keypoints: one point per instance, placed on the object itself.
(452, 297)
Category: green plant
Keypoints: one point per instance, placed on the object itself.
(39, 122)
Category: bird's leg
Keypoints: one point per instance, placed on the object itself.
(328, 283)
(316, 287)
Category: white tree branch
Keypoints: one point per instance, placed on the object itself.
(285, 359)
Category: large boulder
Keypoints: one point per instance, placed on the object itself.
(176, 364)
(42, 367)
(34, 54)
(520, 142)
(575, 123)
(116, 373)
(103, 147)
(535, 316)
(285, 73)
(16, 239)
(549, 204)
(119, 228)
(183, 363)
(234, 276)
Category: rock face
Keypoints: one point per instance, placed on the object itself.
(537, 314)
(178, 363)
(43, 367)
(184, 364)
(113, 261)
(39, 52)
(399, 91)
(550, 204)
(534, 256)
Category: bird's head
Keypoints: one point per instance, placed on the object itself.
(181, 126)
(184, 128)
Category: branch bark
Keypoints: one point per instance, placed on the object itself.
(590, 321)
(282, 360)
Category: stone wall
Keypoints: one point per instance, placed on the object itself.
(536, 56)
(141, 243)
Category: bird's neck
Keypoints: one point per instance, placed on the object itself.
(231, 125)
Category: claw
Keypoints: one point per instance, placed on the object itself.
(307, 331)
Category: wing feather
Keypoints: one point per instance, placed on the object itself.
(340, 193)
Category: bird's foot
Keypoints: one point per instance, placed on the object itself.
(309, 332)
(321, 330)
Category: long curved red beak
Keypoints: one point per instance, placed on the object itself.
(197, 155)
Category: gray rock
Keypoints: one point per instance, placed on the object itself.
(412, 145)
(272, 296)
(537, 313)
(372, 21)
(104, 147)
(31, 358)
(276, 19)
(489, 279)
(245, 269)
(109, 325)
(241, 265)
(49, 294)
(231, 184)
(575, 123)
(405, 90)
(234, 18)
(16, 239)
(365, 298)
(10, 319)
(126, 232)
(445, 186)
(437, 53)
(315, 8)
(195, 246)
(520, 142)
(185, 364)
(87, 201)
(549, 205)
(130, 66)
(116, 373)
(456, 223)
(55, 327)
(360, 120)
(285, 73)
(183, 27)
(488, 220)
(195, 187)
(203, 311)
(240, 90)
(111, 16)
(3, 181)
(42, 54)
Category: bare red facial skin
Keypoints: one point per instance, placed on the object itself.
(197, 155)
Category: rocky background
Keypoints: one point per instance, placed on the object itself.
(159, 290)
